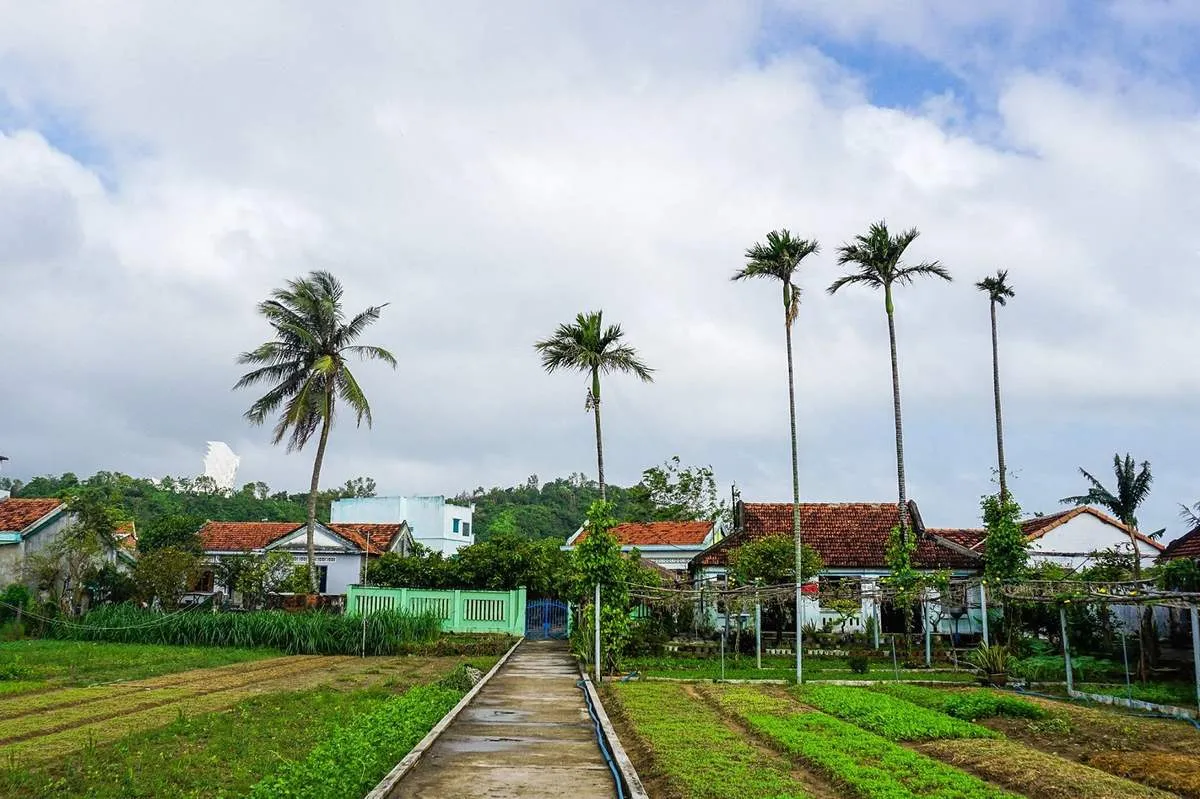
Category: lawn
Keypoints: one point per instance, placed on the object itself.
(36, 663)
(224, 731)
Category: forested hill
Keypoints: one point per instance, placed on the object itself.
(536, 510)
(551, 510)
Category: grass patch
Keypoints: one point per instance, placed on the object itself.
(198, 755)
(697, 754)
(778, 668)
(1172, 772)
(893, 718)
(356, 756)
(1038, 774)
(968, 705)
(867, 764)
(86, 662)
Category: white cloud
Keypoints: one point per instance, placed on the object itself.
(492, 173)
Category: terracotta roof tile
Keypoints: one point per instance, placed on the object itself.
(243, 536)
(1186, 546)
(376, 538)
(642, 534)
(844, 534)
(18, 514)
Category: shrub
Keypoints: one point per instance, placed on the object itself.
(387, 633)
(860, 664)
(355, 757)
(990, 659)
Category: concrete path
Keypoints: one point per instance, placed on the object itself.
(527, 734)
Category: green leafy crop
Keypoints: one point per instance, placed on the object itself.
(893, 718)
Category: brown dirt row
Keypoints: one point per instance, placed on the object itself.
(56, 721)
(24, 704)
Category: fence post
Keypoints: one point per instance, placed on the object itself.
(983, 606)
(518, 617)
(758, 631)
(1196, 649)
(456, 611)
(1062, 618)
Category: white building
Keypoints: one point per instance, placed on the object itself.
(342, 550)
(669, 545)
(435, 523)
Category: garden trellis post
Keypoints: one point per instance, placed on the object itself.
(983, 609)
(757, 628)
(1196, 649)
(928, 633)
(599, 679)
(1062, 618)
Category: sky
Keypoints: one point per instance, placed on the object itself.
(489, 170)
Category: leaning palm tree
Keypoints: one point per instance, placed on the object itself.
(999, 292)
(306, 365)
(877, 258)
(1133, 486)
(779, 259)
(589, 347)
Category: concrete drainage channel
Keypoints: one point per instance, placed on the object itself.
(531, 728)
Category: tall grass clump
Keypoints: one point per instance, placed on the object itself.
(313, 633)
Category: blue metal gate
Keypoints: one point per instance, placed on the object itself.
(546, 618)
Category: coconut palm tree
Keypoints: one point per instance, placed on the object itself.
(1132, 488)
(999, 292)
(779, 259)
(878, 261)
(589, 347)
(306, 366)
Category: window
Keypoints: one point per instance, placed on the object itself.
(322, 579)
(456, 523)
(466, 528)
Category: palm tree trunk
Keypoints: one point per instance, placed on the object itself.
(795, 487)
(903, 504)
(312, 492)
(999, 420)
(1146, 640)
(599, 439)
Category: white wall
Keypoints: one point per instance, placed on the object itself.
(1083, 534)
(430, 518)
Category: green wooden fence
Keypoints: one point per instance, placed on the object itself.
(460, 611)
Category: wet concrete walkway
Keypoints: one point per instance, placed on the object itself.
(527, 734)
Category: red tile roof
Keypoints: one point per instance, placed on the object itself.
(844, 534)
(1038, 526)
(18, 514)
(643, 534)
(375, 538)
(1186, 546)
(243, 536)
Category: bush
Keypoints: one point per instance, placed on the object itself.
(355, 757)
(860, 664)
(387, 633)
(990, 659)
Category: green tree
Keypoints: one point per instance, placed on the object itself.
(307, 364)
(177, 530)
(681, 493)
(877, 258)
(772, 561)
(590, 347)
(1006, 554)
(166, 574)
(778, 259)
(999, 293)
(598, 560)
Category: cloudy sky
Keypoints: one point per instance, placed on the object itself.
(491, 169)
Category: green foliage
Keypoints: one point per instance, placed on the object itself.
(13, 598)
(598, 559)
(681, 493)
(177, 531)
(969, 705)
(867, 764)
(295, 633)
(14, 668)
(255, 576)
(1180, 574)
(696, 751)
(993, 659)
(166, 575)
(1006, 553)
(510, 560)
(859, 663)
(348, 763)
(551, 510)
(888, 716)
(772, 560)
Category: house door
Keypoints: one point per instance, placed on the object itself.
(545, 618)
(891, 618)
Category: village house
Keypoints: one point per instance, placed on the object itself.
(670, 546)
(29, 526)
(436, 524)
(342, 550)
(1186, 546)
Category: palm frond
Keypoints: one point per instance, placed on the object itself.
(369, 353)
(587, 346)
(349, 390)
(856, 279)
(997, 287)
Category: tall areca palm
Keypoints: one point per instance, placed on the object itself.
(877, 258)
(778, 259)
(588, 346)
(999, 292)
(306, 366)
(1132, 488)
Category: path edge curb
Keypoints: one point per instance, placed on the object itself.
(633, 783)
(393, 777)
